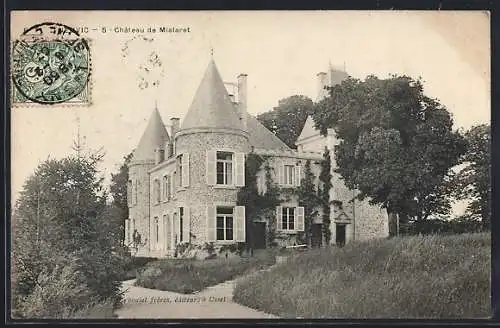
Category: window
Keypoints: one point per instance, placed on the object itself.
(166, 187)
(181, 227)
(156, 191)
(224, 224)
(288, 218)
(157, 230)
(289, 175)
(136, 187)
(179, 171)
(224, 168)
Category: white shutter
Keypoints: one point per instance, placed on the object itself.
(239, 222)
(211, 220)
(281, 173)
(239, 159)
(210, 167)
(279, 218)
(172, 231)
(171, 179)
(186, 225)
(185, 170)
(297, 175)
(299, 226)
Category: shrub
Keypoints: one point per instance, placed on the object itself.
(410, 277)
(188, 275)
(57, 294)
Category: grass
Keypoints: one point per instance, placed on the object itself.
(189, 276)
(408, 277)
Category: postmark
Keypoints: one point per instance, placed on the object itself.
(51, 65)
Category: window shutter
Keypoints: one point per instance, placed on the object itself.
(172, 231)
(279, 218)
(210, 169)
(185, 170)
(211, 219)
(171, 179)
(239, 159)
(239, 215)
(281, 173)
(300, 219)
(186, 225)
(297, 175)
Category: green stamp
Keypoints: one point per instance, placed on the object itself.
(50, 65)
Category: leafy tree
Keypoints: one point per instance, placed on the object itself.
(473, 181)
(118, 189)
(61, 217)
(309, 199)
(288, 118)
(397, 145)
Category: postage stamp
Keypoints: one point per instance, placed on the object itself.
(50, 65)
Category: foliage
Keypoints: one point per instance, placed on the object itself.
(474, 180)
(256, 203)
(397, 145)
(309, 199)
(462, 224)
(288, 118)
(61, 216)
(325, 177)
(428, 276)
(188, 276)
(118, 189)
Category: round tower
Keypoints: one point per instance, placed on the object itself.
(145, 156)
(213, 137)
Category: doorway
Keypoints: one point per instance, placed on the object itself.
(316, 235)
(258, 236)
(340, 234)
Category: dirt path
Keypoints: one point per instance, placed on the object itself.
(213, 302)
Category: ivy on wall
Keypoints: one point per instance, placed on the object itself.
(325, 177)
(257, 204)
(309, 199)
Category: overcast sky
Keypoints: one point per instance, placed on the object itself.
(280, 51)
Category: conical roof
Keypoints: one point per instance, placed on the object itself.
(211, 106)
(153, 137)
(309, 130)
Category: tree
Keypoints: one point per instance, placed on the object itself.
(61, 217)
(288, 118)
(473, 181)
(118, 189)
(309, 199)
(397, 145)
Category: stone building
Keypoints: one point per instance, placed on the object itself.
(183, 183)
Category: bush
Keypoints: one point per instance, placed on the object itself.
(410, 277)
(188, 276)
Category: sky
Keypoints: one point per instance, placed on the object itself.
(280, 51)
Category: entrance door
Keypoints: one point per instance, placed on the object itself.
(340, 234)
(258, 235)
(316, 235)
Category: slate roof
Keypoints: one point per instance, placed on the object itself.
(211, 106)
(154, 136)
(261, 137)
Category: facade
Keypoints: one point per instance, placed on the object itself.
(183, 183)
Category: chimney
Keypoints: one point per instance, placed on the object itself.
(242, 99)
(322, 83)
(168, 149)
(159, 155)
(174, 126)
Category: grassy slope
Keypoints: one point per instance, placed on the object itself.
(188, 276)
(409, 277)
